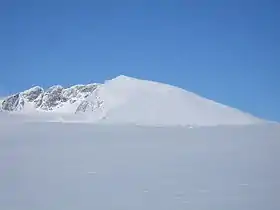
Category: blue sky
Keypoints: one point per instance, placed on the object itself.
(228, 51)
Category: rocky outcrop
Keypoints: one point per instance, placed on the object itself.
(32, 94)
(12, 103)
(54, 97)
(90, 105)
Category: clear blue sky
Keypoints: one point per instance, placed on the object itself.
(228, 51)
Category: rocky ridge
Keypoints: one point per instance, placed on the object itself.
(51, 99)
(125, 100)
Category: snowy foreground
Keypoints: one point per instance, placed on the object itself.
(56, 166)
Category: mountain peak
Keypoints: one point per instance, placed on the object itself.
(54, 98)
(129, 100)
(125, 99)
(123, 78)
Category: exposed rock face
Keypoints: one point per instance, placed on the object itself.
(78, 92)
(13, 103)
(54, 97)
(32, 94)
(91, 105)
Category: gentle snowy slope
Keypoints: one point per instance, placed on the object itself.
(124, 100)
(130, 100)
(55, 166)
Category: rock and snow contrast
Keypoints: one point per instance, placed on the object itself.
(120, 165)
(126, 100)
(55, 98)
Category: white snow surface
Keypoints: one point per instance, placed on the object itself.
(127, 100)
(55, 166)
(130, 100)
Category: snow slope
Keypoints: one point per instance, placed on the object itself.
(55, 166)
(129, 100)
(123, 100)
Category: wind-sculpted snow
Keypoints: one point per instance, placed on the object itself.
(84, 166)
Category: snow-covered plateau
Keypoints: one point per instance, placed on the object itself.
(123, 100)
(71, 166)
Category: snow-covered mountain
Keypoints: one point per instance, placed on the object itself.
(55, 98)
(128, 100)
